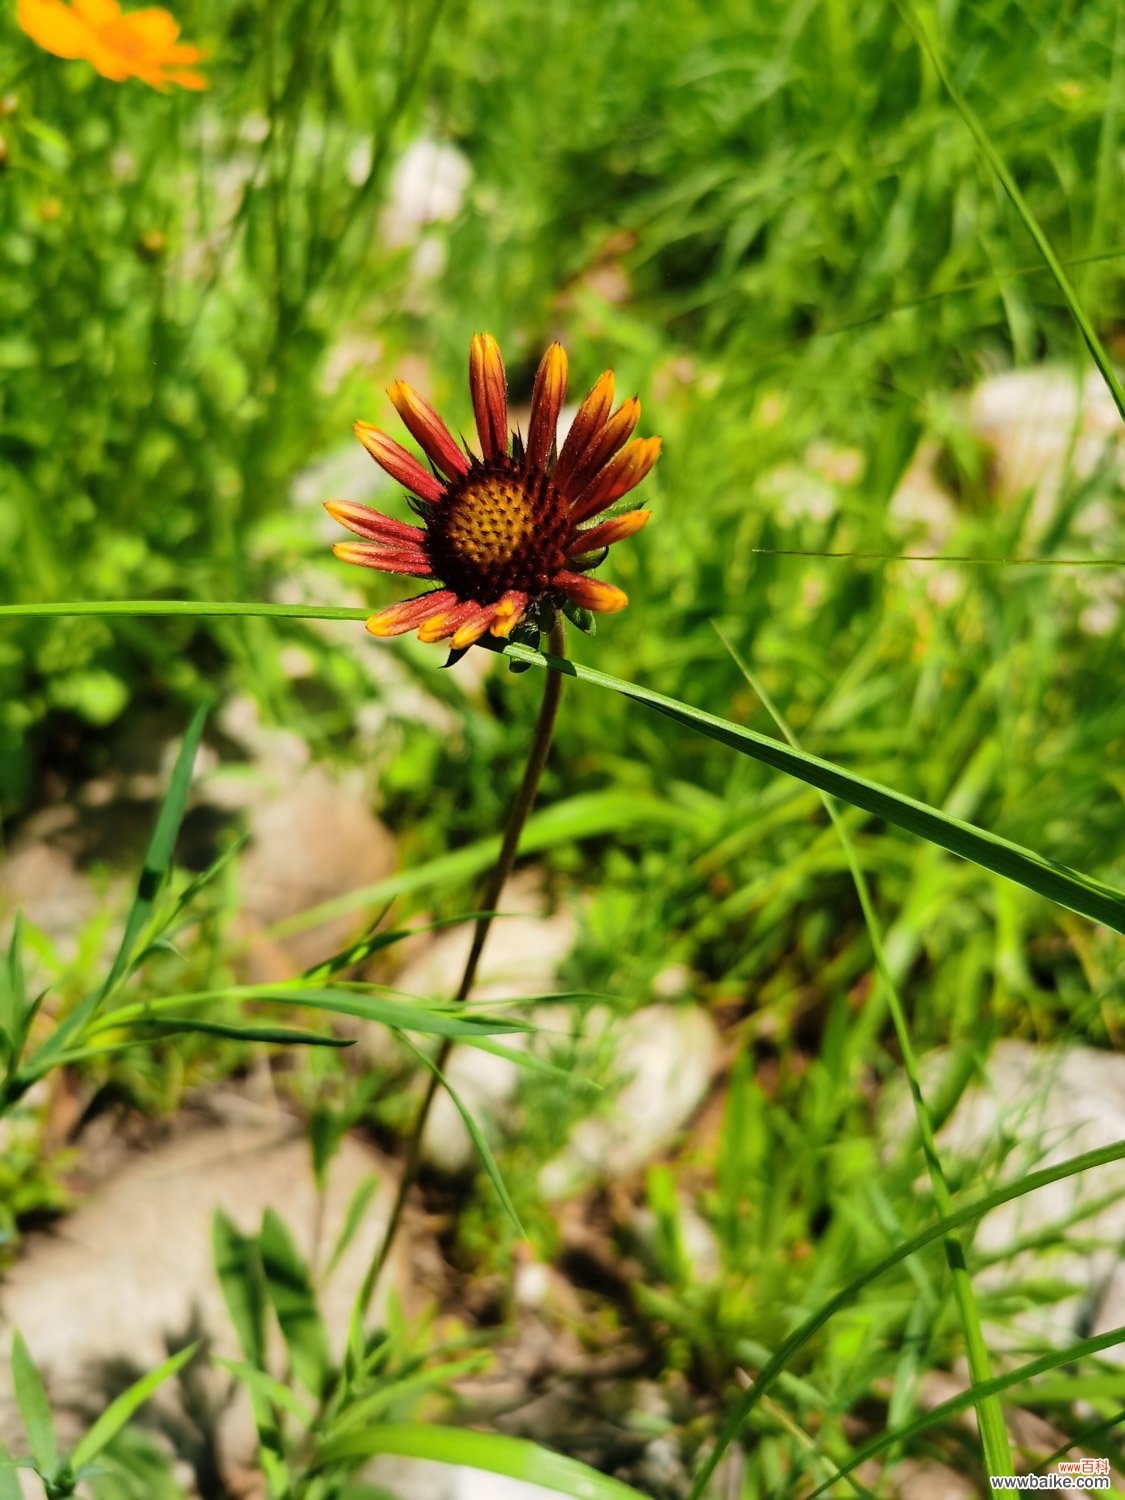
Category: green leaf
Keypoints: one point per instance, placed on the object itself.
(1019, 203)
(513, 1457)
(238, 1267)
(13, 994)
(1081, 893)
(290, 1291)
(271, 1390)
(774, 1367)
(35, 1408)
(281, 1035)
(158, 862)
(488, 1161)
(994, 1432)
(399, 1015)
(9, 1481)
(951, 1408)
(357, 1208)
(118, 1412)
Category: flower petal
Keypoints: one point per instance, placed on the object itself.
(152, 29)
(473, 626)
(590, 417)
(604, 444)
(509, 612)
(373, 525)
(591, 593)
(614, 530)
(369, 554)
(618, 477)
(546, 403)
(399, 464)
(413, 564)
(488, 386)
(188, 80)
(97, 12)
(428, 430)
(443, 625)
(397, 619)
(55, 27)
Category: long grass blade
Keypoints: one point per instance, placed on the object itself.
(1019, 202)
(940, 1229)
(1080, 893)
(957, 1404)
(994, 1433)
(513, 1457)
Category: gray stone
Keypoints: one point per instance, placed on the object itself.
(1052, 1103)
(134, 1263)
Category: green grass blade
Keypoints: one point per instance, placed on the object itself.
(118, 1412)
(290, 1291)
(1080, 893)
(158, 861)
(994, 1433)
(1019, 203)
(284, 1036)
(35, 1408)
(939, 1230)
(400, 1015)
(515, 1458)
(951, 1408)
(476, 1135)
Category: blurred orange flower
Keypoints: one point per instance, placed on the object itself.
(141, 45)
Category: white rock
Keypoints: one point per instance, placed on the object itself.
(1054, 1104)
(669, 1054)
(1045, 426)
(134, 1262)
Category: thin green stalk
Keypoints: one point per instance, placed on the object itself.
(1019, 203)
(994, 1433)
(517, 817)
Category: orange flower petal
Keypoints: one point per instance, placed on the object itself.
(97, 12)
(473, 626)
(614, 530)
(590, 417)
(546, 403)
(440, 627)
(619, 476)
(591, 593)
(509, 612)
(397, 619)
(152, 29)
(189, 80)
(413, 564)
(399, 464)
(373, 525)
(428, 430)
(488, 386)
(55, 27)
(604, 444)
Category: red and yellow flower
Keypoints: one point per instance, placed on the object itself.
(143, 44)
(505, 534)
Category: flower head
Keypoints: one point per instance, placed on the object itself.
(505, 534)
(142, 44)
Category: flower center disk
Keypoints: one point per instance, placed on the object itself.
(499, 528)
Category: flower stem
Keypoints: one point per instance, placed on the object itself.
(517, 817)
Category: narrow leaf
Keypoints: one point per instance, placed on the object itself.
(35, 1408)
(513, 1457)
(1081, 893)
(290, 1291)
(118, 1412)
(357, 1208)
(812, 1325)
